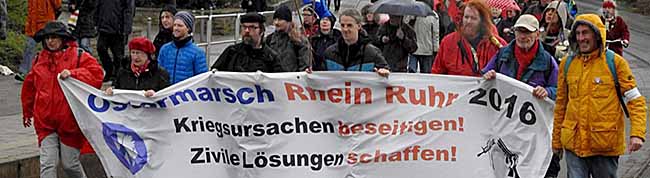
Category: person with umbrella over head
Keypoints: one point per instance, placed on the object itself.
(397, 39)
(354, 52)
(466, 51)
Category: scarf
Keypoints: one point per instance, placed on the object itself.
(137, 70)
(180, 43)
(524, 58)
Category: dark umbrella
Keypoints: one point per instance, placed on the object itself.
(402, 7)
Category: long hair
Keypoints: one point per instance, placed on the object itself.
(486, 28)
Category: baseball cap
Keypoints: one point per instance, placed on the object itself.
(529, 22)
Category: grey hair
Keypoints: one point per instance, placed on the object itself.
(354, 13)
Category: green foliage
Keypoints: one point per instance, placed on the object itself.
(17, 10)
(11, 49)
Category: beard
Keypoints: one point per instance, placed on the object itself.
(248, 40)
(470, 32)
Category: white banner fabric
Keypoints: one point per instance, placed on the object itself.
(325, 124)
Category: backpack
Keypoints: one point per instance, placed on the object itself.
(609, 57)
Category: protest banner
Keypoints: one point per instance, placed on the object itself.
(325, 124)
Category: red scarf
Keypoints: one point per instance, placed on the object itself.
(525, 58)
(139, 70)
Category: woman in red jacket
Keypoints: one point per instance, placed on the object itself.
(43, 100)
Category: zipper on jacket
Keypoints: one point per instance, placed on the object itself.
(347, 58)
(175, 62)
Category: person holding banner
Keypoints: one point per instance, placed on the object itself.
(144, 72)
(526, 60)
(43, 100)
(466, 51)
(251, 54)
(596, 92)
(354, 52)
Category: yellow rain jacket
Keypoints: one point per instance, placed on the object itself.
(589, 119)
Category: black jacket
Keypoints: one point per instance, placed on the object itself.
(361, 56)
(243, 58)
(396, 51)
(371, 30)
(507, 23)
(86, 19)
(114, 16)
(320, 42)
(155, 78)
(294, 56)
(164, 36)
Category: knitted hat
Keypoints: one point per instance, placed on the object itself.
(252, 17)
(187, 18)
(142, 44)
(283, 13)
(609, 3)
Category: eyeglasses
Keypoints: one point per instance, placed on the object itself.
(137, 53)
(307, 14)
(249, 27)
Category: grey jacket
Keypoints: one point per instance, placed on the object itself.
(294, 56)
(427, 33)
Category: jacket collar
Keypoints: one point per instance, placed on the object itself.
(538, 63)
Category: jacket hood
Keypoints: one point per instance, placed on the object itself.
(167, 8)
(561, 9)
(594, 22)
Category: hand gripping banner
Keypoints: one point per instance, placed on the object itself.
(321, 125)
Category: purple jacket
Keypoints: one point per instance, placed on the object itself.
(542, 71)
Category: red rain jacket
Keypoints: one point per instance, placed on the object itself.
(43, 99)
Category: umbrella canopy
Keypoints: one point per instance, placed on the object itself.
(402, 7)
(504, 4)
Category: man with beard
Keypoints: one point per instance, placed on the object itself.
(466, 51)
(251, 54)
(398, 41)
(596, 92)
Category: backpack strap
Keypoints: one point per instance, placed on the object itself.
(609, 57)
(79, 53)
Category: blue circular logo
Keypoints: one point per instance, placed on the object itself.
(127, 146)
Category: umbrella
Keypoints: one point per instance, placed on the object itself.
(402, 7)
(504, 4)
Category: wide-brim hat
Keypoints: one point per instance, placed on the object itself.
(54, 28)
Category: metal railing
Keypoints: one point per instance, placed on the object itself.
(205, 23)
(208, 29)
